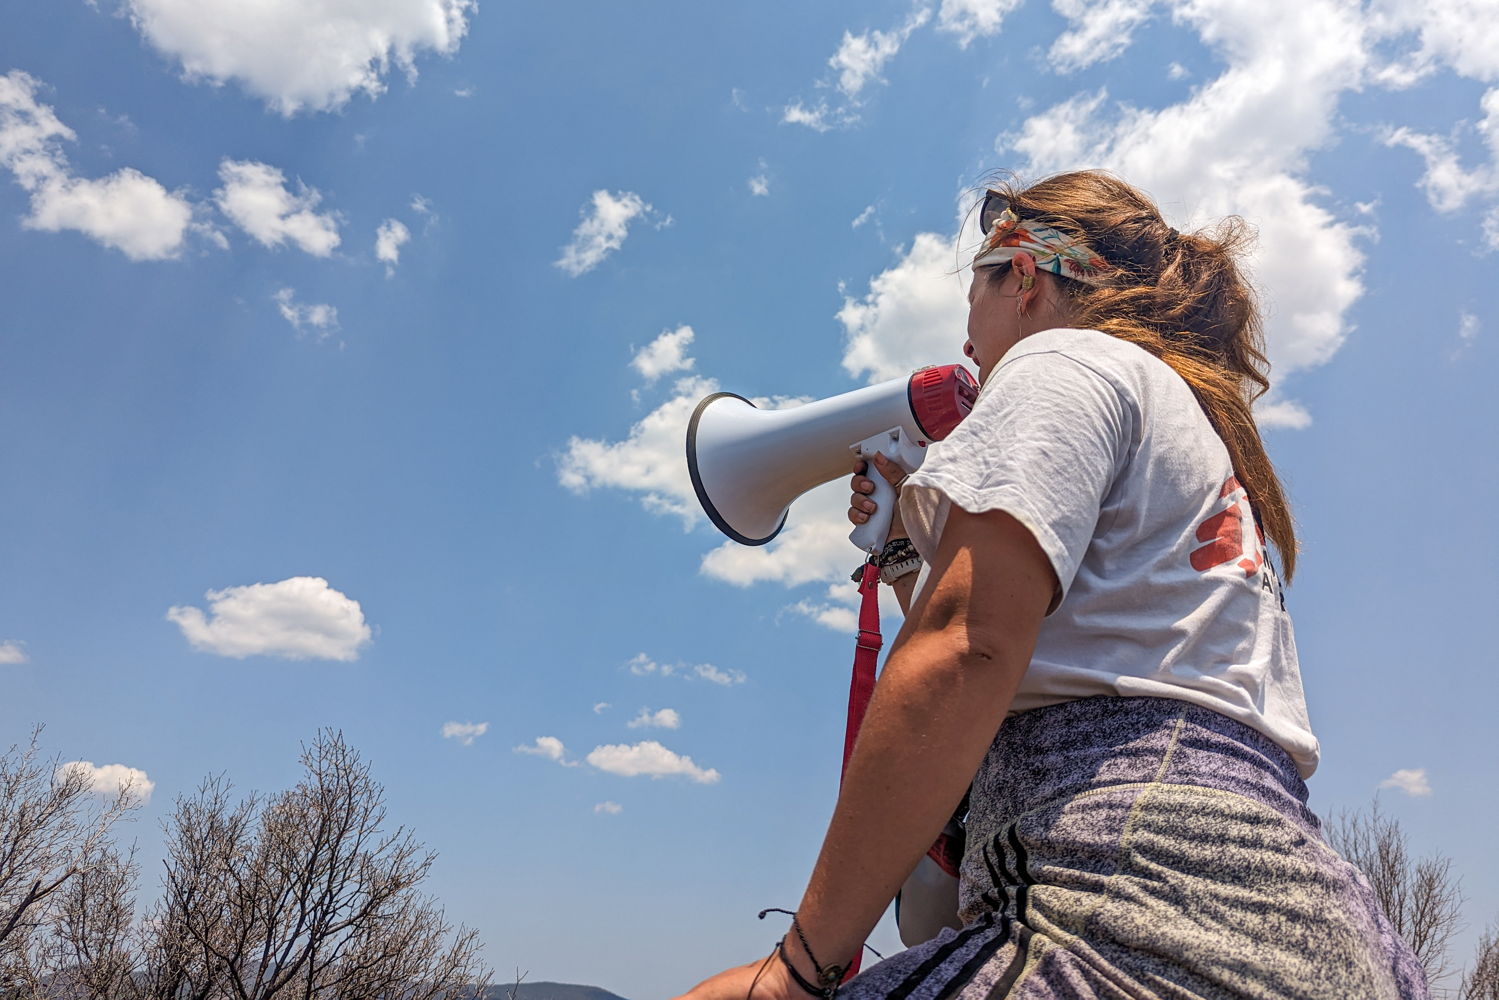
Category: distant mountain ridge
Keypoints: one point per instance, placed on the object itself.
(549, 991)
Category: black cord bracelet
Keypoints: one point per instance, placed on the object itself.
(829, 977)
(801, 980)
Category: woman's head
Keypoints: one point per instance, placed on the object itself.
(1103, 258)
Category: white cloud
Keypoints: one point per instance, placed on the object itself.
(1240, 145)
(1463, 34)
(421, 205)
(839, 612)
(1176, 71)
(666, 354)
(126, 210)
(109, 780)
(464, 92)
(759, 185)
(648, 461)
(13, 651)
(389, 238)
(321, 318)
(860, 58)
(718, 675)
(666, 718)
(255, 197)
(819, 118)
(611, 808)
(648, 758)
(1467, 327)
(600, 707)
(1450, 186)
(312, 55)
(862, 217)
(813, 546)
(464, 732)
(1281, 413)
(549, 747)
(642, 665)
(968, 19)
(915, 313)
(300, 618)
(602, 231)
(1098, 30)
(1411, 781)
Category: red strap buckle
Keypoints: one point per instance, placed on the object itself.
(871, 641)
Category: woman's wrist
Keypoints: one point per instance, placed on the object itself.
(803, 970)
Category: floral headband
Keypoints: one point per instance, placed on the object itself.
(1030, 247)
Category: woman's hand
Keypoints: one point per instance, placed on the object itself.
(861, 507)
(762, 979)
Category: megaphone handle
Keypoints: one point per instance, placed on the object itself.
(870, 536)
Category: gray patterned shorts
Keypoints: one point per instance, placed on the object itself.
(1148, 848)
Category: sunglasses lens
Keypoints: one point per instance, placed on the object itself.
(994, 206)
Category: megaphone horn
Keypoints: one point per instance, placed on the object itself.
(748, 464)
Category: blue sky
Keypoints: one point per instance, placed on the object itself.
(348, 350)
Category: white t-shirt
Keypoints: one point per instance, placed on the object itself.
(1103, 453)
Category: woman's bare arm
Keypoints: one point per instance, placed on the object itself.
(947, 685)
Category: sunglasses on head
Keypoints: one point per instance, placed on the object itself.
(993, 206)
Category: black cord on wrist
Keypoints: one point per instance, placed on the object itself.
(801, 980)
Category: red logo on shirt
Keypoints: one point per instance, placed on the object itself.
(1231, 534)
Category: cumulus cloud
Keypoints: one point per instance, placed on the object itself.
(600, 707)
(320, 318)
(666, 354)
(860, 58)
(108, 780)
(1411, 781)
(389, 239)
(610, 808)
(312, 55)
(969, 19)
(665, 718)
(300, 618)
(648, 758)
(1239, 144)
(759, 185)
(839, 611)
(642, 665)
(820, 117)
(1462, 34)
(126, 210)
(606, 223)
(13, 651)
(915, 313)
(647, 461)
(464, 732)
(813, 547)
(1098, 30)
(858, 61)
(1468, 327)
(255, 197)
(549, 747)
(1448, 184)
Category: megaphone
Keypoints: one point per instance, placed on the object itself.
(749, 464)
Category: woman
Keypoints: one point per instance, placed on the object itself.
(1096, 577)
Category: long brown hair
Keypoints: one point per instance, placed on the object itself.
(1181, 297)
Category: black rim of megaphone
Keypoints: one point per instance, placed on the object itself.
(697, 480)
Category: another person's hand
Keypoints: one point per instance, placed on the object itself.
(762, 979)
(861, 506)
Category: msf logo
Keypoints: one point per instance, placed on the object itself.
(1232, 536)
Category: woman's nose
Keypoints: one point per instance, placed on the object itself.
(968, 348)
